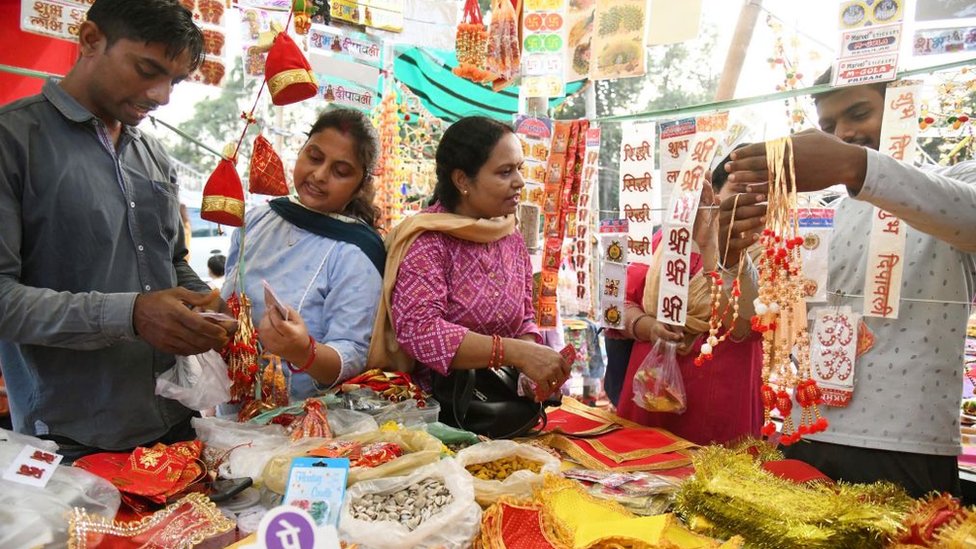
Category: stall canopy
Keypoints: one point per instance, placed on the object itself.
(427, 73)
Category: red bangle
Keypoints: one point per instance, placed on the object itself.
(497, 352)
(311, 358)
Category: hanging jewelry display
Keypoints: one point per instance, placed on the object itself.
(471, 45)
(781, 313)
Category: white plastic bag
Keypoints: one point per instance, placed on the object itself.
(197, 382)
(34, 517)
(455, 526)
(519, 483)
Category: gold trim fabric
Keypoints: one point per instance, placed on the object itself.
(201, 521)
(225, 204)
(284, 79)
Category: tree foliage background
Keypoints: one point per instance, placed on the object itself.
(677, 75)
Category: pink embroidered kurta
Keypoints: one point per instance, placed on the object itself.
(723, 394)
(446, 286)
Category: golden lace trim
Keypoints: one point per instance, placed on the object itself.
(596, 414)
(284, 79)
(577, 454)
(80, 524)
(620, 457)
(226, 204)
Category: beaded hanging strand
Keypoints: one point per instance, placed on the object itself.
(715, 296)
(781, 306)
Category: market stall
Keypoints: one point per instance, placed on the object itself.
(376, 461)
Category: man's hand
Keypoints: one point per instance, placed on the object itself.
(216, 303)
(821, 160)
(164, 320)
(738, 233)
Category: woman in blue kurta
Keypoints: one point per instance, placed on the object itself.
(320, 252)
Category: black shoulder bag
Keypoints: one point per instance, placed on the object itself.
(486, 402)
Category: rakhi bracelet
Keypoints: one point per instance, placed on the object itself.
(308, 363)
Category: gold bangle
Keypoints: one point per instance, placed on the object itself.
(633, 325)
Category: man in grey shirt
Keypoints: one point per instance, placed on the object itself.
(902, 423)
(95, 290)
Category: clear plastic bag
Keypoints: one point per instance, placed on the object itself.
(34, 517)
(518, 484)
(419, 449)
(455, 526)
(658, 386)
(197, 382)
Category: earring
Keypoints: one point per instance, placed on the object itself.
(465, 192)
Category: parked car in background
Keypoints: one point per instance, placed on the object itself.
(206, 238)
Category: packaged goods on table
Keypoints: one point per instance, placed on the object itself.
(505, 468)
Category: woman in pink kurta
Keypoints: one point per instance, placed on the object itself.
(462, 295)
(722, 395)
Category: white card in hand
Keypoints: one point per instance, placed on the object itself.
(271, 299)
(214, 315)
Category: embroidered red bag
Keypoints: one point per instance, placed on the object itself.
(267, 174)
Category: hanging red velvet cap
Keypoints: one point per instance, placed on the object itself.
(267, 174)
(223, 196)
(288, 73)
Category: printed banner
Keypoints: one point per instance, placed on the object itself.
(865, 70)
(680, 219)
(870, 38)
(886, 250)
(256, 24)
(54, 18)
(939, 41)
(543, 48)
(675, 139)
(619, 38)
(579, 21)
(640, 194)
(816, 225)
(360, 47)
(833, 347)
(583, 230)
(536, 137)
(613, 272)
(855, 14)
(378, 14)
(870, 41)
(562, 181)
(346, 93)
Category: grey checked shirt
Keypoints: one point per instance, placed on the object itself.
(84, 228)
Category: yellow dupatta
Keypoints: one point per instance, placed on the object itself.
(384, 350)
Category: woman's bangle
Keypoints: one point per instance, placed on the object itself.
(497, 357)
(633, 325)
(311, 358)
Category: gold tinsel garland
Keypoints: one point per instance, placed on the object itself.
(731, 494)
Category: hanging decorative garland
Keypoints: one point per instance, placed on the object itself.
(472, 45)
(389, 198)
(504, 53)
